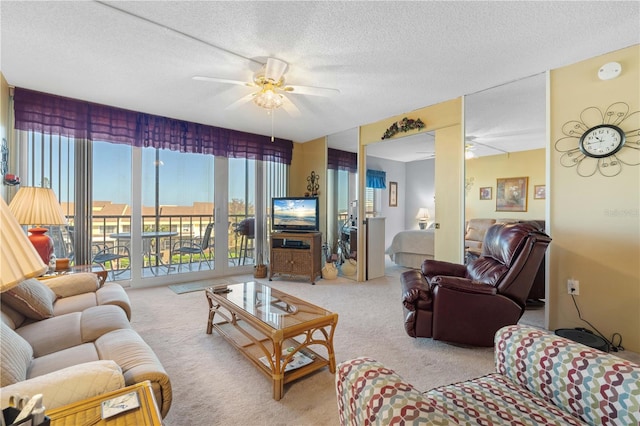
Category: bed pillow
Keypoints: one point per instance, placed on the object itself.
(31, 298)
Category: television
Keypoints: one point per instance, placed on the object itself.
(295, 214)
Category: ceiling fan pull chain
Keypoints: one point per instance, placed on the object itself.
(271, 112)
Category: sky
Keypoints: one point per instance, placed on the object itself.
(184, 178)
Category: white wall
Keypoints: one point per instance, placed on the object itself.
(421, 189)
(416, 188)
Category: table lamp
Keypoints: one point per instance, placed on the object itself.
(38, 206)
(19, 260)
(423, 217)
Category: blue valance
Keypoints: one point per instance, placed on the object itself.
(376, 179)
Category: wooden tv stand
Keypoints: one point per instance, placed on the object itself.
(296, 253)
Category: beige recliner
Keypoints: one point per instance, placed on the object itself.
(68, 355)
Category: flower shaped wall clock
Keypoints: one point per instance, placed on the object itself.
(601, 142)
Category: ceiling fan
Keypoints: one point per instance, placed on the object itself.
(270, 82)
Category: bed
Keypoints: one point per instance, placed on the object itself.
(411, 248)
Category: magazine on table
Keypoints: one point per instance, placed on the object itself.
(298, 360)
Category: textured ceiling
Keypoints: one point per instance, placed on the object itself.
(386, 58)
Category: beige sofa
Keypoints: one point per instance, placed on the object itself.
(70, 339)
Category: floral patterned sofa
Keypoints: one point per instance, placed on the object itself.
(540, 378)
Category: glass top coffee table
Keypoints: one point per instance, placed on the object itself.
(274, 330)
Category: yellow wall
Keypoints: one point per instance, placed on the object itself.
(449, 196)
(485, 171)
(595, 221)
(435, 117)
(445, 119)
(307, 157)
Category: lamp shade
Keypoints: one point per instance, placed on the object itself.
(423, 214)
(18, 258)
(423, 217)
(38, 206)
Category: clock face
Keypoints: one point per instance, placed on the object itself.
(602, 141)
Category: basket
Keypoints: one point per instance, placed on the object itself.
(260, 271)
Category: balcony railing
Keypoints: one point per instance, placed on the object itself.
(112, 231)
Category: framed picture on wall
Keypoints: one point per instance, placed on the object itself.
(540, 192)
(511, 194)
(486, 193)
(393, 194)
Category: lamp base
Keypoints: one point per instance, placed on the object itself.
(422, 225)
(42, 243)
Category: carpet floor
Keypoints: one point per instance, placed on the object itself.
(213, 384)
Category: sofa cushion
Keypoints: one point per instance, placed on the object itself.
(73, 284)
(53, 334)
(10, 316)
(77, 303)
(62, 359)
(494, 399)
(114, 294)
(15, 356)
(100, 320)
(474, 234)
(31, 298)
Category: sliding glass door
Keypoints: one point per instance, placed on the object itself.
(242, 212)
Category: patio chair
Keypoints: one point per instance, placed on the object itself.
(194, 246)
(111, 256)
(246, 230)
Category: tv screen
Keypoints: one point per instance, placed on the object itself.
(295, 214)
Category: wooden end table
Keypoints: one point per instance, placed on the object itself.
(89, 411)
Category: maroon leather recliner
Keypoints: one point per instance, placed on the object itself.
(469, 303)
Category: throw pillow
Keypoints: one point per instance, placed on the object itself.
(31, 298)
(15, 356)
(73, 284)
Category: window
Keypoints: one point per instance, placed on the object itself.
(151, 174)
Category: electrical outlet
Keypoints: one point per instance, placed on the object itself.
(573, 286)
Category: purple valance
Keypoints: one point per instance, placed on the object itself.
(342, 160)
(51, 114)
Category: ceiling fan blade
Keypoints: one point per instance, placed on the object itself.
(274, 69)
(222, 80)
(243, 100)
(290, 108)
(311, 90)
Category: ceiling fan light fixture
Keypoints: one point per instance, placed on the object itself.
(468, 152)
(267, 98)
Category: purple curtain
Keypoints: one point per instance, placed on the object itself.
(51, 114)
(342, 160)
